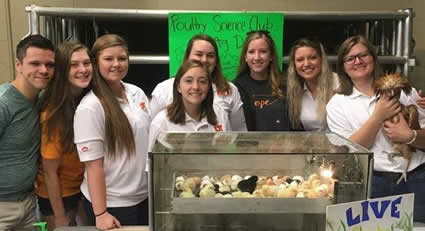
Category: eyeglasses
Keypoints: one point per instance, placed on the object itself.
(363, 56)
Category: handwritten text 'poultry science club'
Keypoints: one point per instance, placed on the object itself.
(220, 25)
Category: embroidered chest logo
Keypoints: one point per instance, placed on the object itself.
(222, 93)
(142, 105)
(218, 128)
(261, 103)
(84, 149)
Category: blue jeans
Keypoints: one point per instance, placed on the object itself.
(384, 184)
(133, 215)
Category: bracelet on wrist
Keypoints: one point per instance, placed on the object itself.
(100, 214)
(413, 138)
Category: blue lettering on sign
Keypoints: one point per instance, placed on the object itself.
(377, 212)
(350, 220)
(394, 209)
(365, 213)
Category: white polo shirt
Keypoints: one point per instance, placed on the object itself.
(162, 95)
(347, 114)
(125, 178)
(161, 124)
(308, 115)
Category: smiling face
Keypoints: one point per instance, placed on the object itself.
(193, 86)
(361, 67)
(204, 52)
(80, 71)
(36, 69)
(258, 57)
(307, 63)
(113, 64)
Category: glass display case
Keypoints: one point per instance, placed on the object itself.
(253, 180)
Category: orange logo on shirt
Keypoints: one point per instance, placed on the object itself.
(222, 93)
(261, 103)
(218, 128)
(142, 105)
(84, 149)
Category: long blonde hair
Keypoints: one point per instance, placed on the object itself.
(118, 132)
(295, 91)
(275, 75)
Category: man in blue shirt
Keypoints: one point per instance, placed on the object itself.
(20, 131)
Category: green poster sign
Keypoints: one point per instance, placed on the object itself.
(228, 29)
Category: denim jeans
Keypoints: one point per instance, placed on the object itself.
(383, 186)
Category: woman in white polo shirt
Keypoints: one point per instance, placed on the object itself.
(192, 106)
(311, 85)
(359, 115)
(203, 48)
(111, 127)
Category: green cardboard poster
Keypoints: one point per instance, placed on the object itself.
(228, 29)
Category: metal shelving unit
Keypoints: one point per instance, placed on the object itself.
(392, 29)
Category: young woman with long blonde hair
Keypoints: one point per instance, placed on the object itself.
(261, 84)
(111, 128)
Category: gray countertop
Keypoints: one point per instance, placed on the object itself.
(418, 227)
(92, 228)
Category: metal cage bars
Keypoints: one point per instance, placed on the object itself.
(59, 24)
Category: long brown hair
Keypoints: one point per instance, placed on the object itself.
(58, 100)
(176, 110)
(118, 132)
(217, 74)
(346, 84)
(275, 75)
(295, 91)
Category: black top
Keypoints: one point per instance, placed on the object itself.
(263, 111)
